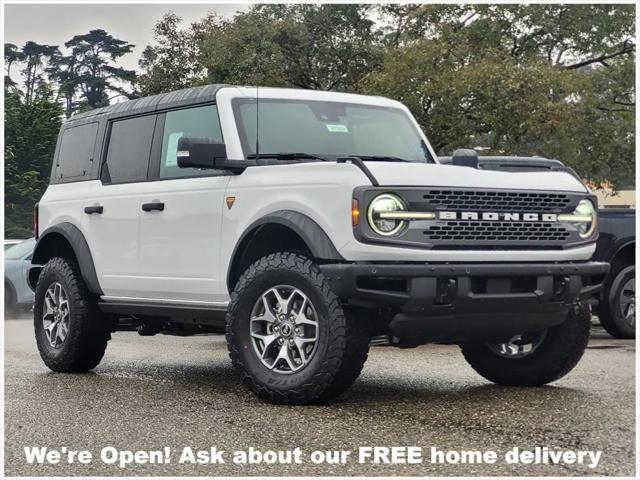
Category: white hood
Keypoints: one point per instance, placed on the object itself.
(449, 176)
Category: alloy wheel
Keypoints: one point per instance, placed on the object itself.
(55, 319)
(519, 346)
(627, 302)
(284, 329)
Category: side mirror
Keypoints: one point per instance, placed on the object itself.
(200, 153)
(464, 157)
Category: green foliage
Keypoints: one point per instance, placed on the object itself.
(91, 70)
(555, 80)
(170, 64)
(551, 80)
(31, 131)
(328, 47)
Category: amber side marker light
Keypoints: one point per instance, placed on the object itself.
(230, 201)
(355, 212)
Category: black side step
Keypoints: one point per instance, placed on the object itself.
(204, 314)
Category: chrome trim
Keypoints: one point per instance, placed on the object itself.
(407, 215)
(571, 218)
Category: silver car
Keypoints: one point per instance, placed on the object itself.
(17, 261)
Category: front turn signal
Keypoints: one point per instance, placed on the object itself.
(355, 212)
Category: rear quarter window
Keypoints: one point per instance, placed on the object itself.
(75, 155)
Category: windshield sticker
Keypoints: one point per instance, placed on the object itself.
(337, 128)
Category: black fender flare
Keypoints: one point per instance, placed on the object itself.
(80, 247)
(306, 228)
(621, 246)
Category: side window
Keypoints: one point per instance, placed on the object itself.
(129, 150)
(191, 122)
(76, 152)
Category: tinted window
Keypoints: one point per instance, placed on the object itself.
(198, 122)
(76, 151)
(129, 150)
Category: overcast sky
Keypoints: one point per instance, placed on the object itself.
(55, 24)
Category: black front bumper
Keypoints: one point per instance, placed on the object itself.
(458, 302)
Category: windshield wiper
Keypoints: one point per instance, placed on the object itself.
(287, 156)
(382, 158)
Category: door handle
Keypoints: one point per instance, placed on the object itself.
(148, 207)
(93, 209)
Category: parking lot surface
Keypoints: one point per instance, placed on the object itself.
(152, 392)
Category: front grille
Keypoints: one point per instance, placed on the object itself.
(497, 232)
(497, 201)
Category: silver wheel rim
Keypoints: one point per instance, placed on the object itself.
(284, 329)
(55, 318)
(519, 346)
(628, 302)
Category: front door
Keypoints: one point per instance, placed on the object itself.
(181, 215)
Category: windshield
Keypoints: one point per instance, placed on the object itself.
(20, 250)
(328, 129)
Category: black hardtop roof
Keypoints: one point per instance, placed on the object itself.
(175, 99)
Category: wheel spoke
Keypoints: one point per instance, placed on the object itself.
(302, 319)
(283, 354)
(283, 303)
(300, 344)
(268, 314)
(267, 341)
(60, 334)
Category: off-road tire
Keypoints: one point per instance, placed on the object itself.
(608, 311)
(342, 343)
(89, 331)
(559, 352)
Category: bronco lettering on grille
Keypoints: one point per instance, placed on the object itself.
(502, 216)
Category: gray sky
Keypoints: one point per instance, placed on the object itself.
(55, 24)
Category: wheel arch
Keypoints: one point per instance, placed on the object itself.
(284, 230)
(625, 252)
(64, 239)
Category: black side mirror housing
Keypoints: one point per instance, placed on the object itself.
(201, 153)
(465, 157)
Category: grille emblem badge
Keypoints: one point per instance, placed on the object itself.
(499, 216)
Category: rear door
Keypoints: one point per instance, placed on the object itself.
(179, 257)
(111, 209)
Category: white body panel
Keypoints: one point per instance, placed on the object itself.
(179, 252)
(182, 254)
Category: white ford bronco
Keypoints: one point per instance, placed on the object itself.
(307, 226)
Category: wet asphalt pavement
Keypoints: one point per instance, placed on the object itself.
(163, 391)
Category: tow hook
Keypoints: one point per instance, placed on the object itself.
(562, 287)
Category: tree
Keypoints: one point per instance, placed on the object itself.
(170, 64)
(36, 57)
(31, 131)
(306, 46)
(12, 54)
(90, 71)
(551, 80)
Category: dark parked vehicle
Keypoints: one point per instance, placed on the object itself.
(616, 245)
(615, 304)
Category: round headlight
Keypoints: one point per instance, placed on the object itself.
(386, 203)
(587, 210)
